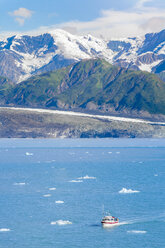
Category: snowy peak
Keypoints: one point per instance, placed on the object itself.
(23, 55)
(80, 47)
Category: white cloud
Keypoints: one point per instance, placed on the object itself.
(21, 15)
(116, 24)
(23, 12)
(139, 20)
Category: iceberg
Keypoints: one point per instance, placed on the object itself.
(128, 191)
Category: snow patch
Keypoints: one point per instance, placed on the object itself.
(80, 47)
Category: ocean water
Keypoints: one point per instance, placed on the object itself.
(52, 193)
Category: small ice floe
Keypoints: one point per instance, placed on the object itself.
(61, 222)
(86, 177)
(5, 230)
(75, 181)
(59, 202)
(155, 175)
(109, 152)
(51, 189)
(29, 154)
(117, 152)
(20, 184)
(137, 231)
(47, 195)
(128, 191)
(140, 162)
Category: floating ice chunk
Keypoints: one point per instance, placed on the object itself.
(59, 202)
(4, 230)
(61, 222)
(117, 152)
(75, 181)
(109, 152)
(21, 184)
(156, 175)
(52, 189)
(86, 177)
(47, 195)
(29, 154)
(128, 191)
(137, 231)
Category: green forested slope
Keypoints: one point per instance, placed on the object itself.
(90, 84)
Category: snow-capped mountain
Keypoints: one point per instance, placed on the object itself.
(23, 55)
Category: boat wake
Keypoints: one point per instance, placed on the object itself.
(144, 219)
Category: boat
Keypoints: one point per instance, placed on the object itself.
(109, 221)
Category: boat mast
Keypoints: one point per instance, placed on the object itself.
(103, 209)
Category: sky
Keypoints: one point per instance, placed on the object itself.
(101, 18)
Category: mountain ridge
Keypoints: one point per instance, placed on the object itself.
(22, 56)
(91, 85)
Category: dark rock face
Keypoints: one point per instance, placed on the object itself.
(149, 58)
(152, 41)
(160, 67)
(117, 46)
(9, 65)
(29, 44)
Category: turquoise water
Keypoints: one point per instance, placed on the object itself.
(44, 181)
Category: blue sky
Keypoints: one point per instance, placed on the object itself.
(107, 18)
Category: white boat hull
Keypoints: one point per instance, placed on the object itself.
(110, 224)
